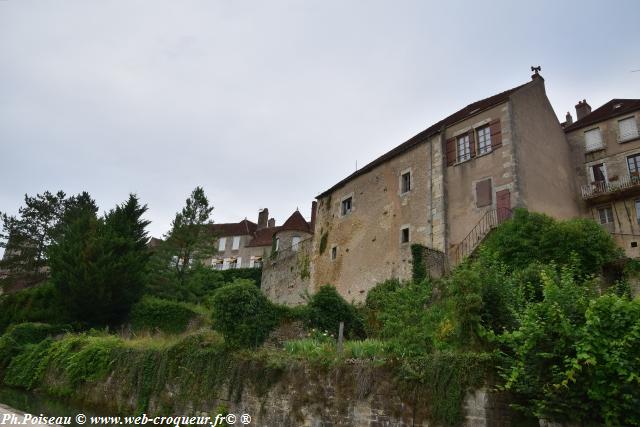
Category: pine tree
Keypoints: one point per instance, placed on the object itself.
(190, 240)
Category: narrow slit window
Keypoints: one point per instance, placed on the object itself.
(334, 252)
(405, 182)
(404, 235)
(346, 206)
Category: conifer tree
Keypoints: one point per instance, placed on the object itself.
(99, 264)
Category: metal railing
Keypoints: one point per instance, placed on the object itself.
(488, 222)
(601, 188)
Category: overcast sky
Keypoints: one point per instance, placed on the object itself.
(269, 103)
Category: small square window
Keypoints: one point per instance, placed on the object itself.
(606, 215)
(628, 129)
(334, 252)
(346, 206)
(634, 244)
(593, 140)
(484, 139)
(405, 182)
(404, 235)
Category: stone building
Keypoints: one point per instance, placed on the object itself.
(444, 189)
(287, 271)
(244, 244)
(605, 147)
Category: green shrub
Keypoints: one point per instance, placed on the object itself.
(18, 336)
(327, 309)
(37, 304)
(530, 237)
(376, 303)
(27, 368)
(243, 315)
(167, 316)
(536, 352)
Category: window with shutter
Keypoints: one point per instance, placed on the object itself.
(236, 243)
(484, 139)
(451, 151)
(483, 193)
(628, 129)
(593, 140)
(464, 148)
(222, 243)
(496, 134)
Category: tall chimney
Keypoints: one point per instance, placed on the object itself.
(582, 109)
(272, 223)
(314, 208)
(263, 218)
(569, 119)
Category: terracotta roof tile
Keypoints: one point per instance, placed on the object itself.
(242, 228)
(466, 112)
(606, 112)
(263, 237)
(296, 222)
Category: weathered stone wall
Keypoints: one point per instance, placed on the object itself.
(462, 212)
(367, 240)
(542, 155)
(286, 276)
(349, 396)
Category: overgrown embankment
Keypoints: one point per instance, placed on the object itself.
(197, 373)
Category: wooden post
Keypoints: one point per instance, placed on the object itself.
(340, 337)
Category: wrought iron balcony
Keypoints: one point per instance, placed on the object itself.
(602, 191)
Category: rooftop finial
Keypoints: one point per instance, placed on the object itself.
(536, 70)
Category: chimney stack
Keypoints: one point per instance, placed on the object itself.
(582, 109)
(272, 223)
(263, 218)
(314, 208)
(568, 118)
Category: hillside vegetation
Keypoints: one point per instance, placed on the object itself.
(529, 314)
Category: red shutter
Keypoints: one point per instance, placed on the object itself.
(472, 142)
(496, 133)
(451, 151)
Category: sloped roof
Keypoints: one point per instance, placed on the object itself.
(296, 222)
(464, 113)
(242, 228)
(606, 112)
(263, 237)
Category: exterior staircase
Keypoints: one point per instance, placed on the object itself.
(490, 220)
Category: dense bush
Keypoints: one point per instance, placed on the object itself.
(18, 336)
(530, 237)
(326, 309)
(200, 282)
(37, 304)
(157, 314)
(243, 315)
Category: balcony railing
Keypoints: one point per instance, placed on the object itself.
(602, 188)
